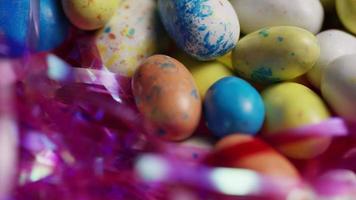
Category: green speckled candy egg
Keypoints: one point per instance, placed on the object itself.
(89, 14)
(275, 54)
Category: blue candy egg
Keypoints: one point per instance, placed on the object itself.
(232, 105)
(205, 29)
(15, 31)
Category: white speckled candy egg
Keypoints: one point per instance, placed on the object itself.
(338, 86)
(257, 14)
(205, 29)
(333, 44)
(133, 34)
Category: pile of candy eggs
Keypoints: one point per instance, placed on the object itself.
(226, 70)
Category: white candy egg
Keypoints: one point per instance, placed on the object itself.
(257, 14)
(333, 44)
(338, 86)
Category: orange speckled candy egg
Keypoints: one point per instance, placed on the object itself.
(166, 95)
(244, 151)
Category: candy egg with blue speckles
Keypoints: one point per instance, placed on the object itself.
(275, 54)
(205, 29)
(132, 34)
(166, 95)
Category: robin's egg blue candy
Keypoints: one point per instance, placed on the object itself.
(166, 95)
(132, 34)
(256, 14)
(346, 10)
(15, 27)
(292, 105)
(338, 86)
(333, 44)
(275, 54)
(232, 105)
(205, 29)
(204, 73)
(89, 14)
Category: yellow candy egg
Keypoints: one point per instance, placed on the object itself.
(226, 60)
(292, 105)
(346, 10)
(205, 74)
(275, 54)
(89, 14)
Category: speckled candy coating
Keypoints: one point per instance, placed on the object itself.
(167, 96)
(275, 54)
(133, 34)
(205, 29)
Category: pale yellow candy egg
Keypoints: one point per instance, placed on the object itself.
(292, 105)
(206, 73)
(346, 10)
(89, 14)
(275, 54)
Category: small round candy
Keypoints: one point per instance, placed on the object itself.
(338, 86)
(89, 14)
(333, 44)
(166, 95)
(346, 10)
(233, 105)
(292, 105)
(275, 54)
(205, 29)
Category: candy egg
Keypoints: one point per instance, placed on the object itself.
(166, 95)
(233, 105)
(133, 34)
(205, 29)
(333, 44)
(338, 86)
(205, 73)
(346, 10)
(53, 26)
(275, 54)
(292, 105)
(244, 151)
(256, 14)
(89, 14)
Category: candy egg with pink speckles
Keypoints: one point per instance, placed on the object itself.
(167, 97)
(132, 34)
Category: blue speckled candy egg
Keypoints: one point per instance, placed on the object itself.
(205, 29)
(232, 105)
(15, 20)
